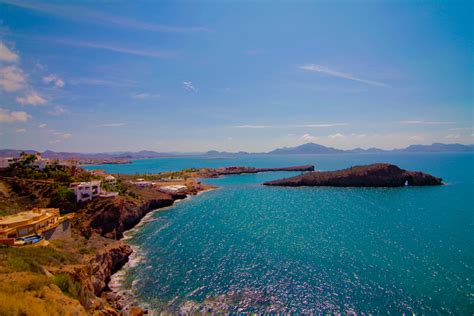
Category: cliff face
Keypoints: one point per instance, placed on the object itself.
(111, 217)
(375, 175)
(107, 262)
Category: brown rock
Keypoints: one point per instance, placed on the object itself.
(375, 175)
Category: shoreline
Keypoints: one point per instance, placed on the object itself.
(124, 299)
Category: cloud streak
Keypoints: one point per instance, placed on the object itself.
(101, 82)
(144, 95)
(112, 48)
(58, 110)
(82, 14)
(321, 125)
(253, 126)
(426, 122)
(112, 125)
(54, 79)
(188, 85)
(338, 74)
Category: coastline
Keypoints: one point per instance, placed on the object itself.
(124, 299)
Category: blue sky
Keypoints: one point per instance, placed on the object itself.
(96, 76)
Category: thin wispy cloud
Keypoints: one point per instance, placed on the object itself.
(188, 85)
(322, 125)
(339, 74)
(426, 122)
(462, 129)
(54, 80)
(252, 126)
(82, 14)
(452, 136)
(112, 125)
(113, 48)
(101, 82)
(416, 138)
(145, 95)
(57, 110)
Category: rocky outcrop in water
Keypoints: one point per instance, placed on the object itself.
(375, 175)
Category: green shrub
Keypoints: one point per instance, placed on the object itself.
(67, 284)
(85, 251)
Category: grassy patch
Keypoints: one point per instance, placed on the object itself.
(32, 258)
(26, 293)
(67, 284)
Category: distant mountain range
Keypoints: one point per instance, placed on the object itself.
(72, 155)
(309, 148)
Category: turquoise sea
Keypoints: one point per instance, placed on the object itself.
(246, 247)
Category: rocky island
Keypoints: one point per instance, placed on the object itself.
(374, 175)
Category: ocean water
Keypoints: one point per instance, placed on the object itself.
(249, 248)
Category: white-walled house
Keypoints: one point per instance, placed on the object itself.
(142, 184)
(6, 162)
(173, 188)
(110, 179)
(42, 163)
(86, 191)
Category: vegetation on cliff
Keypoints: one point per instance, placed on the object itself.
(70, 277)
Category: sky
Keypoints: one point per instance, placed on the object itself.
(96, 76)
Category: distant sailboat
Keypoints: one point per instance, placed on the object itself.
(406, 183)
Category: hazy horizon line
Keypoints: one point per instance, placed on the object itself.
(224, 151)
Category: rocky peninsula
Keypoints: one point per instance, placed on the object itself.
(374, 175)
(242, 170)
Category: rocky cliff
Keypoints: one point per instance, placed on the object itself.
(107, 262)
(111, 217)
(375, 175)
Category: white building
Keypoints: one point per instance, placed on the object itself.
(6, 162)
(104, 194)
(143, 184)
(173, 188)
(110, 179)
(42, 163)
(86, 191)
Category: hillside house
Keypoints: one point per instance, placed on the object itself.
(86, 191)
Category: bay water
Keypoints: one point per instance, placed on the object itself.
(249, 248)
